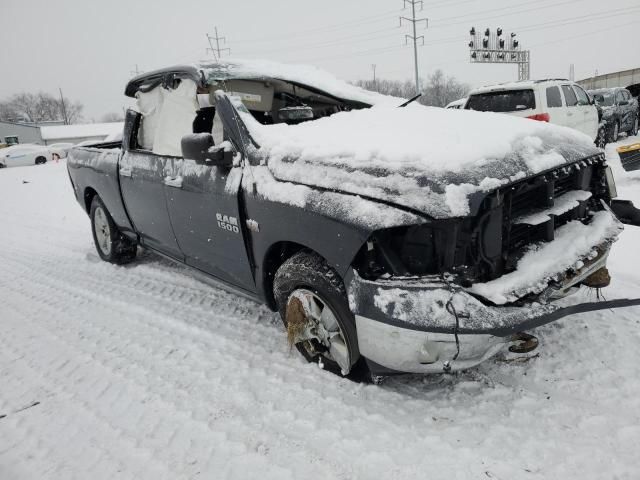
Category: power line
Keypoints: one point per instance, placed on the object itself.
(331, 27)
(217, 48)
(413, 20)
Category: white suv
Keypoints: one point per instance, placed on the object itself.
(558, 101)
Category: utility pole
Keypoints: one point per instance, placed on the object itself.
(64, 108)
(373, 67)
(414, 37)
(136, 72)
(217, 48)
(571, 72)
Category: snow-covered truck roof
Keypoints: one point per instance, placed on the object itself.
(307, 76)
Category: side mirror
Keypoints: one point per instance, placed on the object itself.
(200, 147)
(623, 103)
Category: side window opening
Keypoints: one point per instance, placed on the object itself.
(167, 116)
(569, 96)
(554, 99)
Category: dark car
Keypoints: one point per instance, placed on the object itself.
(619, 111)
(384, 245)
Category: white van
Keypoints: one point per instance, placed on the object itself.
(558, 101)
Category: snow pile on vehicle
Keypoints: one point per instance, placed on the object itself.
(358, 210)
(573, 243)
(307, 75)
(425, 158)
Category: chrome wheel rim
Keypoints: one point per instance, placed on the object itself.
(319, 332)
(102, 231)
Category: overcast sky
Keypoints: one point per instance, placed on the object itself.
(90, 49)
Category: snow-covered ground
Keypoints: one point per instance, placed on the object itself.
(142, 372)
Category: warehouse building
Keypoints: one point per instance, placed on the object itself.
(55, 132)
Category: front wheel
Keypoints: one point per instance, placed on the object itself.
(111, 245)
(601, 139)
(615, 132)
(41, 160)
(313, 305)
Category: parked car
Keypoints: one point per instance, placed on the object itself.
(60, 150)
(385, 247)
(457, 103)
(24, 154)
(619, 111)
(557, 101)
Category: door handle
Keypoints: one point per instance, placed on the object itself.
(125, 172)
(175, 182)
(569, 114)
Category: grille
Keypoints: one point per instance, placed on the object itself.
(537, 195)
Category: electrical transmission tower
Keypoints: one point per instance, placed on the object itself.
(414, 37)
(216, 50)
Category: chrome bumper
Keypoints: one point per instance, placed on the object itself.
(412, 351)
(428, 325)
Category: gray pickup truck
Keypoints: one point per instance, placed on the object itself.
(386, 240)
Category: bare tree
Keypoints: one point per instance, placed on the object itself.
(438, 92)
(39, 107)
(441, 90)
(112, 117)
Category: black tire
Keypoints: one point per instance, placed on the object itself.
(111, 245)
(614, 132)
(308, 271)
(41, 160)
(601, 139)
(634, 129)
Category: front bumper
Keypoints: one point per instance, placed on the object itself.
(429, 325)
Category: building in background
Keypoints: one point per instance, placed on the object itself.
(47, 133)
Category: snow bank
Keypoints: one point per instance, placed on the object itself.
(416, 156)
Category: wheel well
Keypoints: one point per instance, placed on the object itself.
(89, 193)
(277, 254)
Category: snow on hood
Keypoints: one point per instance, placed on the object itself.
(425, 158)
(302, 74)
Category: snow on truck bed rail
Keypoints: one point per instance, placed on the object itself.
(426, 158)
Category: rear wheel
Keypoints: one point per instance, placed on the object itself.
(634, 129)
(313, 305)
(111, 245)
(41, 160)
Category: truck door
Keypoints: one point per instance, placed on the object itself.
(203, 204)
(141, 182)
(574, 116)
(625, 110)
(588, 112)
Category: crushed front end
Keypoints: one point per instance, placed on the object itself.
(448, 294)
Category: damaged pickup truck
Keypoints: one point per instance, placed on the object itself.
(388, 240)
